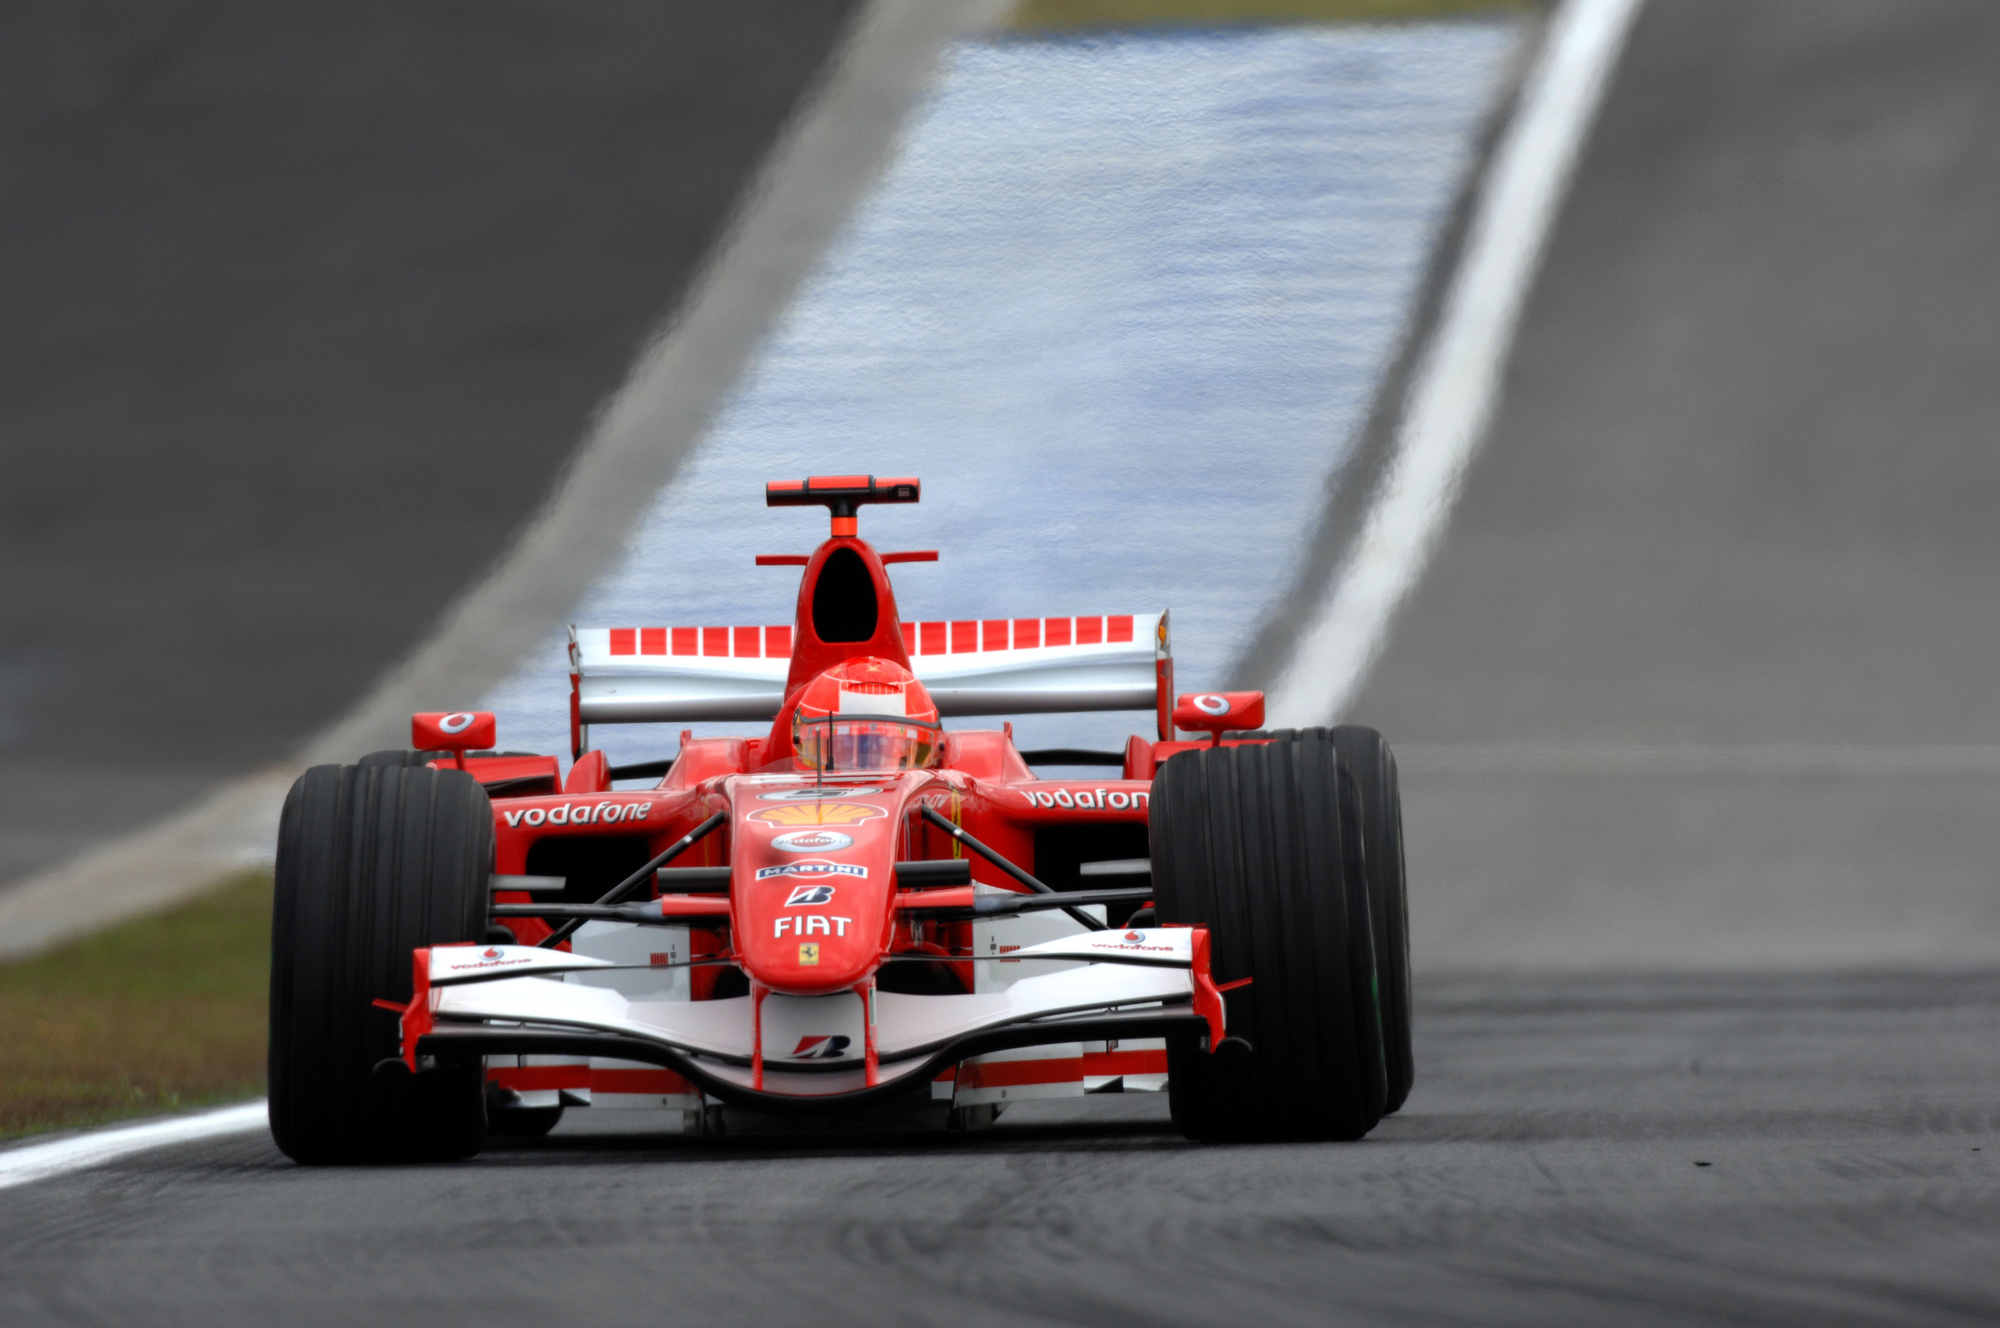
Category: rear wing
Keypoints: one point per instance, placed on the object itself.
(993, 666)
(1029, 666)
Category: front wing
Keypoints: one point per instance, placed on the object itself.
(848, 1049)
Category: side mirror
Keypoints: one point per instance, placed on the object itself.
(458, 731)
(1215, 712)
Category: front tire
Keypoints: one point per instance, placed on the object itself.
(1366, 755)
(1256, 843)
(1378, 810)
(396, 756)
(373, 862)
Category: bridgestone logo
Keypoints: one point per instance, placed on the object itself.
(1116, 800)
(581, 813)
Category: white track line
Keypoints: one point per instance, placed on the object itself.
(235, 827)
(1457, 382)
(21, 1166)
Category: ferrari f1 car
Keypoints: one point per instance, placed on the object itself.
(851, 907)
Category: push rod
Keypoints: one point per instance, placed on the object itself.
(692, 880)
(1005, 904)
(943, 823)
(618, 893)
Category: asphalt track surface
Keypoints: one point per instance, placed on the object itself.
(1737, 494)
(306, 308)
(1549, 1169)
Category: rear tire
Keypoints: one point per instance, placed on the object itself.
(522, 1122)
(1254, 843)
(373, 862)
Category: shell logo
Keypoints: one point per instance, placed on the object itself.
(825, 813)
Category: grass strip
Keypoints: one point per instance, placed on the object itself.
(1071, 15)
(159, 1014)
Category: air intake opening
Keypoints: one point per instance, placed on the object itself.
(844, 607)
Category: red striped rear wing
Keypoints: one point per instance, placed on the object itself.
(973, 666)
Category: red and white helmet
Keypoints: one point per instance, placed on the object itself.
(866, 714)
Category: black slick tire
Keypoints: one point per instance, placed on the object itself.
(1367, 757)
(522, 1122)
(404, 756)
(395, 756)
(373, 862)
(1255, 843)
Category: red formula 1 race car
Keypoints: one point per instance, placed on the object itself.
(854, 906)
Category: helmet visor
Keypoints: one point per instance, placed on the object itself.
(838, 742)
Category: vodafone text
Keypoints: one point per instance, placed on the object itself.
(1116, 800)
(581, 813)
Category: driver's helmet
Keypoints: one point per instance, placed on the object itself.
(866, 714)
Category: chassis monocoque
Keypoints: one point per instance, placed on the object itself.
(469, 941)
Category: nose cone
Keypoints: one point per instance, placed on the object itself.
(814, 881)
